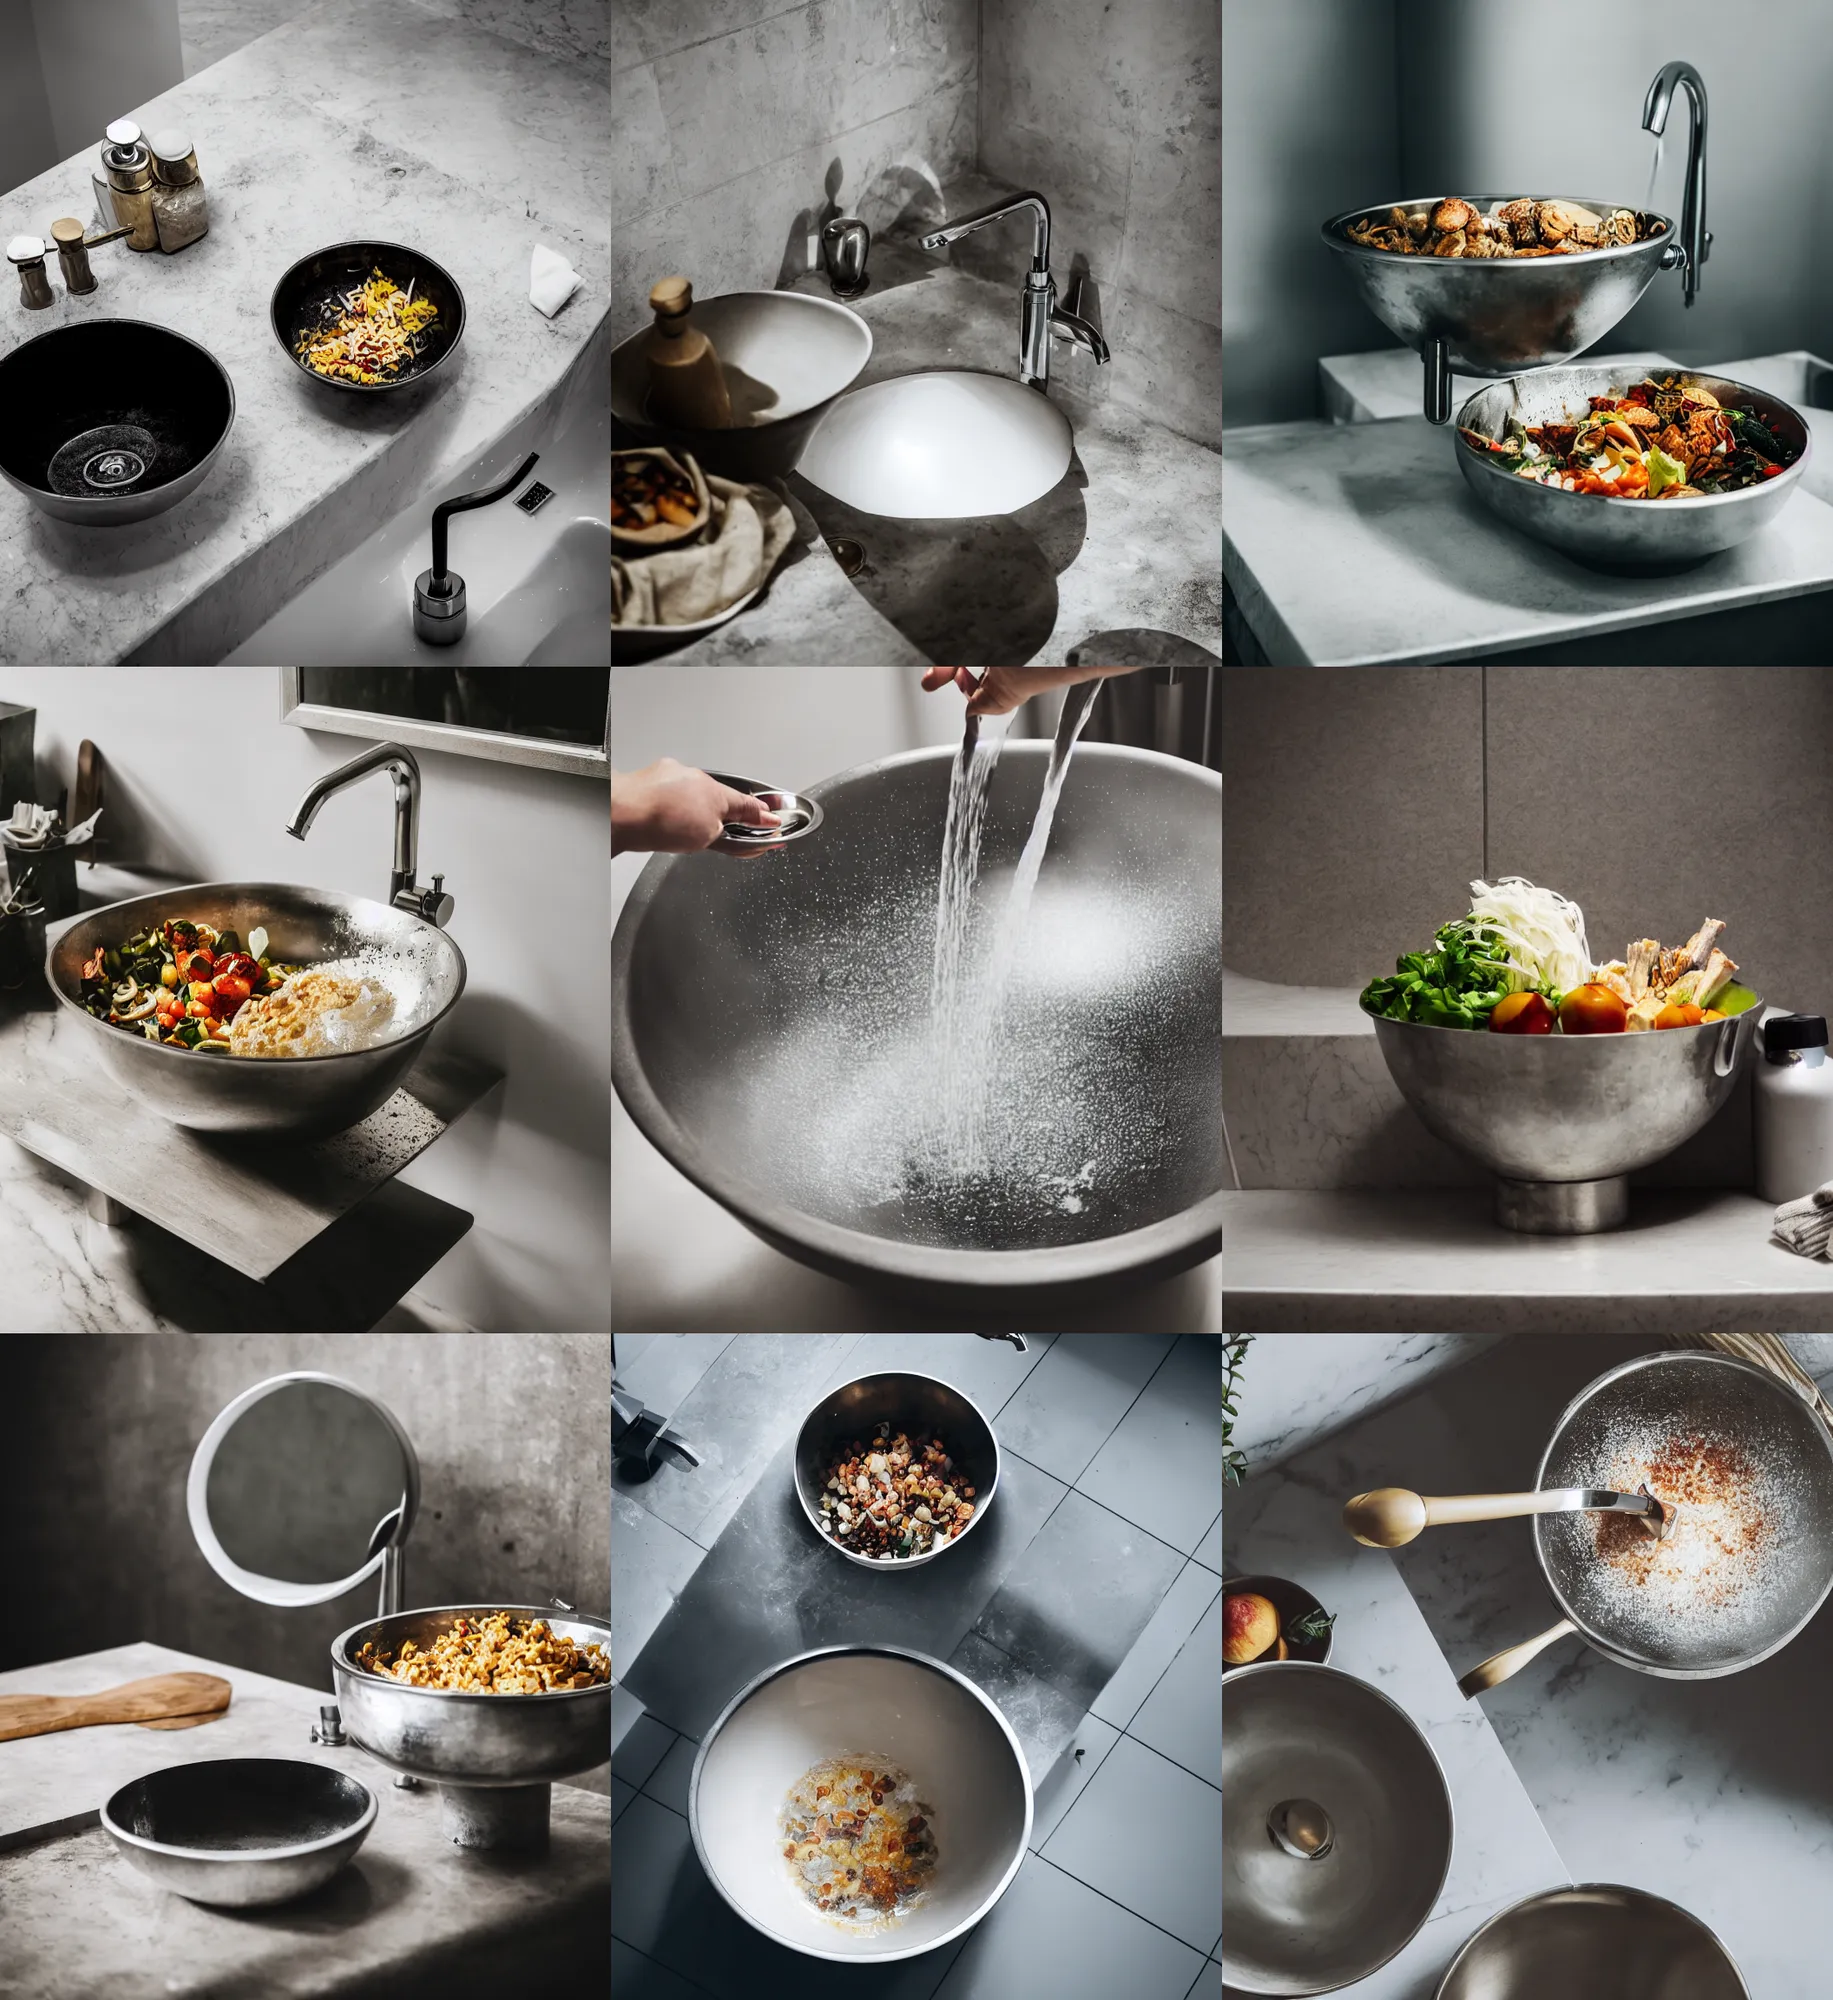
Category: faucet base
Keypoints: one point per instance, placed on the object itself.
(440, 621)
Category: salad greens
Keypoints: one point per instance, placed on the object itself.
(1455, 985)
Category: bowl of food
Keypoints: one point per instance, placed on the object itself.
(786, 357)
(1498, 283)
(894, 1470)
(240, 1833)
(111, 421)
(1626, 470)
(261, 1009)
(1272, 1618)
(657, 500)
(1560, 1074)
(367, 316)
(861, 1803)
(1336, 1829)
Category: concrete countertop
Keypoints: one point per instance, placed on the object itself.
(361, 118)
(1360, 545)
(411, 1915)
(1129, 533)
(1433, 1261)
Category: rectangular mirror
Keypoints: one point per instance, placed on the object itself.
(554, 718)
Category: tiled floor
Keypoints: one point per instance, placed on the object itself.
(1092, 1615)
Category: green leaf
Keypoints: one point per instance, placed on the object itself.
(1663, 471)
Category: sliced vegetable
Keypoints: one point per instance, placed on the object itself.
(1522, 1013)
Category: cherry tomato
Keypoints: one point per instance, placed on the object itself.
(238, 965)
(1593, 1010)
(1522, 1014)
(196, 965)
(231, 989)
(1682, 1015)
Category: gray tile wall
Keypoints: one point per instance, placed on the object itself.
(1113, 110)
(735, 121)
(1360, 804)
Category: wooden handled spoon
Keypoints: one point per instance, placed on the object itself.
(1390, 1516)
(166, 1701)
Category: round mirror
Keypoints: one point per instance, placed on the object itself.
(301, 1489)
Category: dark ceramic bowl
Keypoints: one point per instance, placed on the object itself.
(312, 292)
(1292, 1601)
(108, 421)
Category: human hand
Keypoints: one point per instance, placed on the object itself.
(670, 808)
(999, 690)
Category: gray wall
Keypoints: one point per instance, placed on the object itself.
(1309, 129)
(1358, 809)
(27, 143)
(513, 1434)
(525, 853)
(1114, 112)
(67, 67)
(734, 121)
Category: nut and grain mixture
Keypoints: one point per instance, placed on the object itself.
(494, 1655)
(858, 1842)
(894, 1497)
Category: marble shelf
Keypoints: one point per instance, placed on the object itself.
(1433, 1261)
(412, 1915)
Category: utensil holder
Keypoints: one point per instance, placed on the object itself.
(22, 951)
(53, 872)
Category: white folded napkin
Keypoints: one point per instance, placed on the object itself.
(1805, 1225)
(551, 280)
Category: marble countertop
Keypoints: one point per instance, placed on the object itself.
(1433, 1261)
(1129, 538)
(360, 118)
(1337, 541)
(408, 1909)
(1717, 1795)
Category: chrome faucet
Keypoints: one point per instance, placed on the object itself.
(1041, 319)
(433, 904)
(1695, 244)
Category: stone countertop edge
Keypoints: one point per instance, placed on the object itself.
(308, 472)
(969, 322)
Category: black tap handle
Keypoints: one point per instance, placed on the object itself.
(481, 498)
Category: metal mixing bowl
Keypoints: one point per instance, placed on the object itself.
(918, 1404)
(240, 1832)
(889, 1705)
(770, 1031)
(484, 1740)
(1499, 315)
(1594, 1941)
(292, 1097)
(1309, 1752)
(1636, 535)
(1561, 1119)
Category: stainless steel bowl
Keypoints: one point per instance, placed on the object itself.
(1594, 1941)
(925, 1408)
(1630, 535)
(299, 1097)
(482, 1740)
(1499, 315)
(240, 1832)
(1336, 1829)
(770, 1031)
(1561, 1119)
(878, 1702)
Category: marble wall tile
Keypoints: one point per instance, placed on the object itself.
(659, 27)
(1352, 816)
(1574, 754)
(1173, 250)
(642, 161)
(580, 28)
(1164, 365)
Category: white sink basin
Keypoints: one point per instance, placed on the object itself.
(939, 447)
(538, 586)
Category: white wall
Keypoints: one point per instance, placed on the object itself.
(202, 777)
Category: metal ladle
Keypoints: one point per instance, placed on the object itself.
(1391, 1516)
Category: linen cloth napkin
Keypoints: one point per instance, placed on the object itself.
(1805, 1225)
(551, 280)
(750, 529)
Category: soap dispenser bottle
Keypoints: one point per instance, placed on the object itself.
(1793, 1107)
(124, 187)
(687, 386)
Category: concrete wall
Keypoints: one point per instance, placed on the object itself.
(1354, 822)
(524, 852)
(1309, 129)
(513, 1435)
(734, 123)
(1112, 109)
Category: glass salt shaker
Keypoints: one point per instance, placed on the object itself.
(180, 211)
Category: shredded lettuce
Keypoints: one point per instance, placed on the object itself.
(1542, 934)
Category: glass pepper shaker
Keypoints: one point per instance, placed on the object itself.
(180, 212)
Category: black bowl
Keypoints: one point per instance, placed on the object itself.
(303, 299)
(111, 420)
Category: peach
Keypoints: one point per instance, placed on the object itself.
(1250, 1627)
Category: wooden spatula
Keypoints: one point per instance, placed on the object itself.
(170, 1700)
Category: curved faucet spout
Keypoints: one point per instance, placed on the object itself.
(1040, 226)
(402, 766)
(1695, 238)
